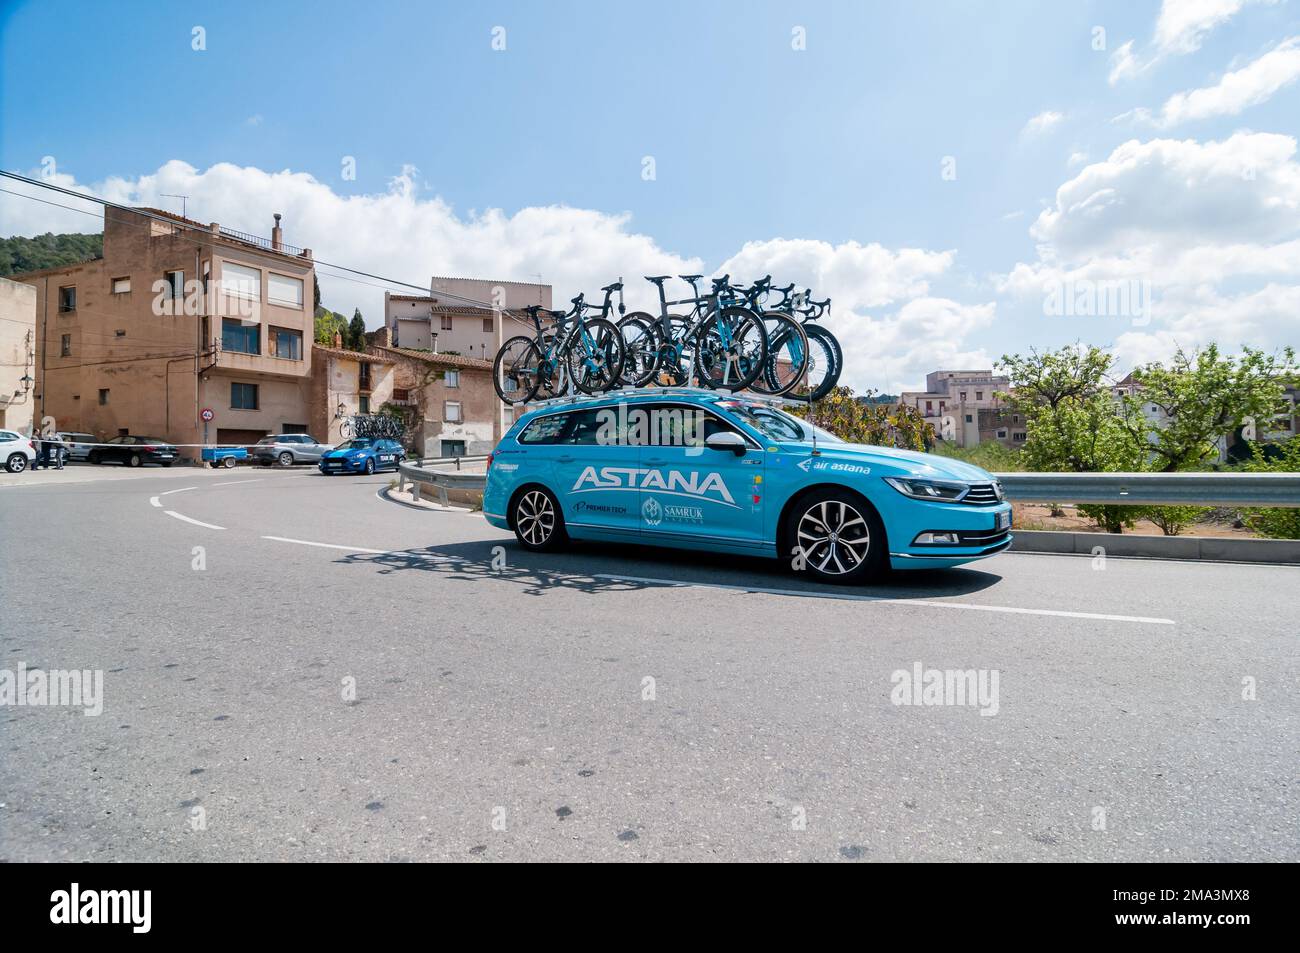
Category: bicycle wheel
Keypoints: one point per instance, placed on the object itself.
(676, 357)
(787, 355)
(640, 349)
(730, 349)
(595, 359)
(825, 360)
(515, 370)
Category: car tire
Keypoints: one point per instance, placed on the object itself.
(16, 463)
(835, 536)
(134, 460)
(229, 463)
(285, 459)
(537, 519)
(370, 466)
(93, 458)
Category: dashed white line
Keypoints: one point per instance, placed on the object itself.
(237, 482)
(181, 490)
(154, 501)
(182, 516)
(805, 593)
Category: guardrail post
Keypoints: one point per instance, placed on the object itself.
(442, 495)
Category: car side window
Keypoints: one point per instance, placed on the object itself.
(546, 430)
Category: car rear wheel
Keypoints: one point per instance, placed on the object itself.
(835, 536)
(16, 463)
(229, 463)
(370, 466)
(285, 459)
(537, 521)
(135, 460)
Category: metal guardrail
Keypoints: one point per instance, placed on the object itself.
(1138, 489)
(440, 479)
(1155, 489)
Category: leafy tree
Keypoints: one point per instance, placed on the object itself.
(860, 420)
(1277, 522)
(1202, 396)
(356, 333)
(1071, 424)
(1173, 520)
(19, 254)
(327, 322)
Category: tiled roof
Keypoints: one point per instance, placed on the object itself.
(448, 360)
(393, 297)
(352, 355)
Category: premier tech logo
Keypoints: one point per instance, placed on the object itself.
(708, 486)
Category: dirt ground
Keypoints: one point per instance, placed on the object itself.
(1038, 516)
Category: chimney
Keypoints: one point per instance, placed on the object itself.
(277, 235)
(338, 341)
(434, 336)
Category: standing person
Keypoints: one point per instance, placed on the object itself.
(39, 445)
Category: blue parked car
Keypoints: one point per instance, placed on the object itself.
(736, 474)
(362, 455)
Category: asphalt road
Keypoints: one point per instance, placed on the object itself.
(611, 703)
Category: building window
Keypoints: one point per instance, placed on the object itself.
(487, 325)
(1018, 437)
(451, 378)
(979, 395)
(363, 404)
(969, 419)
(963, 396)
(285, 343)
(67, 299)
(243, 396)
(175, 281)
(65, 346)
(451, 411)
(446, 322)
(283, 290)
(363, 376)
(103, 396)
(1002, 435)
(401, 395)
(239, 337)
(929, 406)
(241, 281)
(121, 286)
(453, 448)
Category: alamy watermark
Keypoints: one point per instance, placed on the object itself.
(1113, 298)
(949, 687)
(73, 688)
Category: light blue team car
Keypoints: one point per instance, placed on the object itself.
(736, 474)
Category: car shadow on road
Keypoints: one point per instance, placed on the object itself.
(597, 567)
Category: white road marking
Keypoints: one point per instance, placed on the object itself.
(677, 583)
(154, 501)
(1015, 610)
(237, 482)
(182, 516)
(181, 490)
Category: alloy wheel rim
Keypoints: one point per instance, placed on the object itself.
(833, 537)
(535, 517)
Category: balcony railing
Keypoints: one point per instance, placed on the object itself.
(284, 249)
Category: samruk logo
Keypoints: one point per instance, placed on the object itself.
(709, 487)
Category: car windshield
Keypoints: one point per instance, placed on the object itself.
(776, 424)
(360, 443)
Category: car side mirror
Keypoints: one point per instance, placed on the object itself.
(726, 440)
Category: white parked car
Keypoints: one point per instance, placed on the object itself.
(78, 444)
(16, 451)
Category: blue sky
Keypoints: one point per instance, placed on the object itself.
(753, 141)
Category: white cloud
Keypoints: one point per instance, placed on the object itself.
(1041, 124)
(408, 233)
(1076, 159)
(1238, 90)
(1181, 28)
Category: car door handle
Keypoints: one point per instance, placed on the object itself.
(655, 461)
(565, 459)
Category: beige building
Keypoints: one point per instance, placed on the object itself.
(461, 315)
(177, 318)
(963, 406)
(345, 384)
(17, 355)
(450, 405)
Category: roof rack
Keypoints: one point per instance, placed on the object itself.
(626, 392)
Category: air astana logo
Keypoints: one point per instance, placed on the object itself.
(708, 486)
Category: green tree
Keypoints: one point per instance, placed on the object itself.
(1202, 396)
(327, 322)
(1277, 522)
(19, 254)
(356, 334)
(1071, 424)
(861, 420)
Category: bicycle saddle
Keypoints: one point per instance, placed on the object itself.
(658, 279)
(577, 300)
(616, 286)
(690, 278)
(722, 282)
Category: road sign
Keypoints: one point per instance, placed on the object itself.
(206, 413)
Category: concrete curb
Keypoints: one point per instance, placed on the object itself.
(1283, 551)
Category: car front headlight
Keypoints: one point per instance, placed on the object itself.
(949, 491)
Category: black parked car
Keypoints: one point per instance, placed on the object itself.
(134, 451)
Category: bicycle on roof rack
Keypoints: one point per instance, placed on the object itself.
(588, 352)
(722, 340)
(786, 368)
(825, 357)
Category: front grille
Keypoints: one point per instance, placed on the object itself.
(981, 494)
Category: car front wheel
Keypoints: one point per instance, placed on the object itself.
(537, 521)
(135, 460)
(16, 463)
(370, 466)
(835, 536)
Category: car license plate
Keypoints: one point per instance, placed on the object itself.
(1004, 520)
